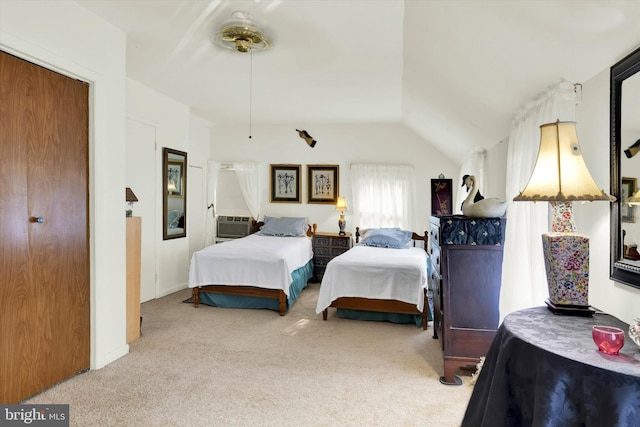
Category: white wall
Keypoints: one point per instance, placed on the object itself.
(341, 144)
(47, 33)
(495, 170)
(172, 122)
(593, 218)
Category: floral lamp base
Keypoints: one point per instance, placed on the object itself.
(566, 261)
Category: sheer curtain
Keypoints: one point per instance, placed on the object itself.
(383, 195)
(524, 282)
(250, 178)
(210, 223)
(473, 164)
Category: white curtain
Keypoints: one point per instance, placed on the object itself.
(210, 223)
(473, 164)
(383, 195)
(524, 282)
(250, 178)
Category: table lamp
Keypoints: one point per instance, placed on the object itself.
(129, 197)
(341, 205)
(561, 177)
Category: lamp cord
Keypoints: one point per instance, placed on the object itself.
(250, 87)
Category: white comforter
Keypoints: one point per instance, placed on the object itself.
(375, 273)
(254, 260)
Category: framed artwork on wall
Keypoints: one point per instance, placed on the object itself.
(441, 197)
(628, 188)
(323, 183)
(175, 181)
(285, 183)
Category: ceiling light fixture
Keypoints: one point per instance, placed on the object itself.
(241, 34)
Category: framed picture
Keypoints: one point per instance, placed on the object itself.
(285, 183)
(175, 177)
(323, 183)
(627, 213)
(441, 197)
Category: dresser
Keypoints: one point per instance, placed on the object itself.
(466, 275)
(327, 246)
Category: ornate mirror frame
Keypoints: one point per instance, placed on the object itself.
(620, 271)
(174, 194)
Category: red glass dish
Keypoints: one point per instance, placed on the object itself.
(608, 339)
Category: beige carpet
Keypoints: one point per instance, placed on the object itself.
(213, 366)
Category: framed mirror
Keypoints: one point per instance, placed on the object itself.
(625, 169)
(174, 189)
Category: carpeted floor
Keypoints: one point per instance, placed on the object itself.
(214, 366)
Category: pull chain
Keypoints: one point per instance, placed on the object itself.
(250, 87)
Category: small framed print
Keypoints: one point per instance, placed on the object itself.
(285, 183)
(627, 213)
(175, 178)
(441, 197)
(323, 183)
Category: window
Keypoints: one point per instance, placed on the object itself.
(383, 195)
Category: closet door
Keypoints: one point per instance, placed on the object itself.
(44, 250)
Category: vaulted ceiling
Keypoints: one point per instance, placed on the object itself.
(455, 71)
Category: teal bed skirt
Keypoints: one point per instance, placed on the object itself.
(383, 317)
(300, 278)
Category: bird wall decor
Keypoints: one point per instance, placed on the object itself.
(304, 135)
(632, 150)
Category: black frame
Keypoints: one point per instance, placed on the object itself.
(334, 171)
(441, 197)
(622, 70)
(296, 171)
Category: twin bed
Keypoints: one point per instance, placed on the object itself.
(382, 278)
(270, 268)
(267, 269)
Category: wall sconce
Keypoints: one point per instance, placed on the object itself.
(130, 198)
(561, 177)
(341, 205)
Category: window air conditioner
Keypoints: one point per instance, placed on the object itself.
(234, 226)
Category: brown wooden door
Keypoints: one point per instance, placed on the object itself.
(44, 266)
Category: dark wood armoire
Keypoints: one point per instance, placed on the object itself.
(44, 232)
(466, 277)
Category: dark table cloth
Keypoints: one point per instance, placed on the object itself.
(544, 369)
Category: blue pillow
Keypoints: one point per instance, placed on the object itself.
(173, 218)
(395, 238)
(284, 227)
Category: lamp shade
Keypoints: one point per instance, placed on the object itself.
(634, 199)
(130, 196)
(560, 174)
(341, 204)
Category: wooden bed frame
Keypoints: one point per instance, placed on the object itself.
(249, 291)
(385, 305)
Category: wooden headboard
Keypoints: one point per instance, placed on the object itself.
(256, 225)
(414, 236)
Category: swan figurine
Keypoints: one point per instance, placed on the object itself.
(485, 208)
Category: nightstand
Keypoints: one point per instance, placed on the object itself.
(327, 246)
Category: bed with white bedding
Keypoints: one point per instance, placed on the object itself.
(266, 269)
(372, 278)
